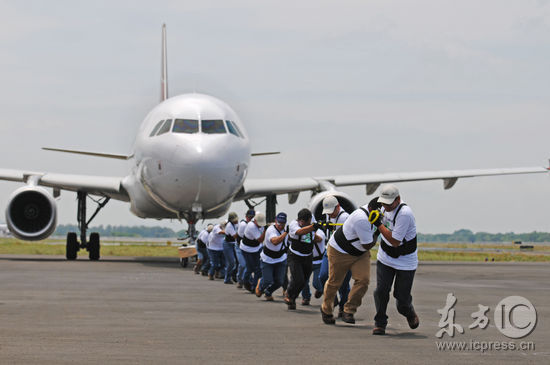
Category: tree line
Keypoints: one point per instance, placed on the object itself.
(462, 235)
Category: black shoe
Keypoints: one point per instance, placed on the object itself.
(413, 321)
(305, 301)
(228, 282)
(291, 303)
(379, 331)
(327, 318)
(348, 317)
(247, 286)
(340, 313)
(318, 294)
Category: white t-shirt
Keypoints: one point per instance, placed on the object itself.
(319, 248)
(307, 238)
(356, 226)
(252, 232)
(203, 236)
(216, 239)
(270, 233)
(405, 228)
(340, 218)
(231, 229)
(241, 228)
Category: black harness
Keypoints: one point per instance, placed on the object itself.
(200, 244)
(346, 244)
(305, 248)
(406, 248)
(275, 254)
(229, 238)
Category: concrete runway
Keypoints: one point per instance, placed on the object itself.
(132, 310)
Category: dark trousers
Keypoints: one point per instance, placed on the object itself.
(401, 292)
(300, 269)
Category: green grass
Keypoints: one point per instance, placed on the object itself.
(17, 247)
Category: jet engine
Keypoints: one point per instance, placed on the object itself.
(31, 214)
(316, 202)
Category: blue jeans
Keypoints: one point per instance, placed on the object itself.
(216, 259)
(344, 289)
(306, 293)
(253, 271)
(242, 264)
(230, 265)
(202, 252)
(273, 276)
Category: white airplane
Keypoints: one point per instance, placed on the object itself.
(191, 158)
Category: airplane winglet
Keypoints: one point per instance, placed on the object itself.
(95, 154)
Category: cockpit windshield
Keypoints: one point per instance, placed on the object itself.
(232, 128)
(165, 127)
(155, 130)
(186, 126)
(215, 126)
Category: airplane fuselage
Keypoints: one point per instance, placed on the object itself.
(191, 157)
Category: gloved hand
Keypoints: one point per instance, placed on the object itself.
(375, 217)
(374, 204)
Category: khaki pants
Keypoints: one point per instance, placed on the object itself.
(338, 266)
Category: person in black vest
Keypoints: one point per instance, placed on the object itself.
(349, 249)
(273, 258)
(251, 246)
(301, 237)
(238, 252)
(397, 259)
(203, 263)
(229, 247)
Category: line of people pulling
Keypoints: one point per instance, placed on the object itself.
(258, 257)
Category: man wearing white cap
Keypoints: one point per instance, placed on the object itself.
(397, 259)
(335, 214)
(251, 245)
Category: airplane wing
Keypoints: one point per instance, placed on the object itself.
(96, 185)
(262, 187)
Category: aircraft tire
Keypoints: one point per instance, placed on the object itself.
(93, 246)
(72, 246)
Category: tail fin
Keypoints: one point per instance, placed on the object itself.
(164, 68)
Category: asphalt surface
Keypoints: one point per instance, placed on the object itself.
(134, 310)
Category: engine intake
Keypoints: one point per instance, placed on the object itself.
(31, 214)
(316, 202)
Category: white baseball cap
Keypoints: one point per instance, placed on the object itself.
(388, 194)
(329, 204)
(260, 218)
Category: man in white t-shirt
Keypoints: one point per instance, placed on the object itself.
(273, 258)
(251, 245)
(229, 247)
(203, 262)
(397, 259)
(349, 249)
(301, 238)
(334, 214)
(240, 258)
(215, 251)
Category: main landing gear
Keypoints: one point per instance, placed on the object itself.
(92, 245)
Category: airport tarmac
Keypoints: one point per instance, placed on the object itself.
(150, 310)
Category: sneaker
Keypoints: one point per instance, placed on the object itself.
(348, 317)
(239, 285)
(318, 294)
(247, 286)
(327, 318)
(228, 282)
(210, 277)
(379, 331)
(268, 298)
(305, 301)
(258, 290)
(290, 303)
(413, 321)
